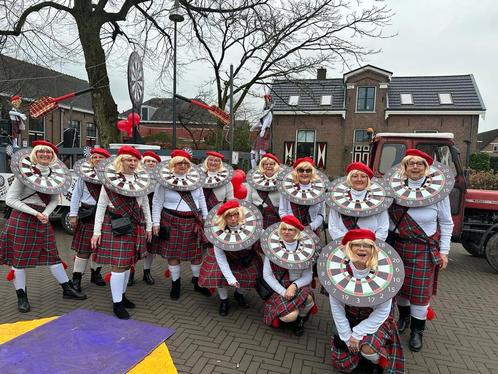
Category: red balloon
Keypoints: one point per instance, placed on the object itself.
(125, 126)
(134, 118)
(240, 192)
(238, 177)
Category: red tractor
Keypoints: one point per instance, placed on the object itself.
(475, 212)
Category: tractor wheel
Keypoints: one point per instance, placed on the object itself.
(492, 251)
(66, 224)
(473, 248)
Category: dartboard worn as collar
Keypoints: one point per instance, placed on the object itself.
(380, 285)
(438, 184)
(140, 185)
(259, 181)
(56, 182)
(314, 195)
(166, 178)
(244, 237)
(219, 179)
(377, 199)
(84, 169)
(302, 258)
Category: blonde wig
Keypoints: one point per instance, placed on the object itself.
(118, 163)
(261, 169)
(222, 222)
(350, 176)
(304, 165)
(93, 158)
(149, 158)
(205, 164)
(34, 158)
(283, 226)
(176, 160)
(374, 255)
(404, 165)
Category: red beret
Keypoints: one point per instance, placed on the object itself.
(100, 151)
(46, 144)
(303, 159)
(230, 204)
(15, 97)
(361, 167)
(215, 154)
(358, 234)
(293, 221)
(416, 152)
(273, 157)
(180, 153)
(154, 155)
(129, 150)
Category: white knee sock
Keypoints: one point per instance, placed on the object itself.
(80, 264)
(175, 271)
(402, 301)
(196, 269)
(59, 273)
(148, 261)
(222, 293)
(291, 317)
(373, 357)
(127, 278)
(94, 265)
(117, 280)
(19, 278)
(307, 307)
(419, 311)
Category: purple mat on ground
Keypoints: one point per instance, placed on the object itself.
(82, 342)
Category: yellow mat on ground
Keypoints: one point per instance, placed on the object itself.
(158, 361)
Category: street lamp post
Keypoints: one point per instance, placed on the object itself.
(175, 16)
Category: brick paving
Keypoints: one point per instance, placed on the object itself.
(463, 338)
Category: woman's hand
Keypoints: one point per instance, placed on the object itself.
(148, 234)
(155, 230)
(42, 217)
(444, 261)
(73, 221)
(235, 284)
(353, 345)
(95, 241)
(290, 292)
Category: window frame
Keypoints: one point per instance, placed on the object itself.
(358, 110)
(92, 138)
(78, 131)
(293, 100)
(36, 133)
(406, 96)
(305, 142)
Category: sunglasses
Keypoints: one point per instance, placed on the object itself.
(301, 170)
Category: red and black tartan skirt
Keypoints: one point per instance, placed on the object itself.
(154, 246)
(212, 277)
(123, 250)
(81, 238)
(184, 236)
(277, 306)
(262, 143)
(421, 270)
(26, 242)
(385, 341)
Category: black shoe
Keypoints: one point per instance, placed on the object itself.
(299, 326)
(127, 303)
(22, 301)
(377, 369)
(131, 279)
(77, 281)
(120, 311)
(202, 290)
(404, 318)
(175, 289)
(241, 300)
(148, 277)
(96, 277)
(68, 292)
(416, 335)
(224, 308)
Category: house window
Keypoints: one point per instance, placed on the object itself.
(445, 98)
(145, 113)
(91, 134)
(366, 99)
(361, 136)
(76, 127)
(36, 129)
(305, 145)
(406, 99)
(495, 147)
(326, 100)
(293, 100)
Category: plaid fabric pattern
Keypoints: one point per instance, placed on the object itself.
(262, 143)
(126, 205)
(44, 197)
(277, 305)
(420, 255)
(94, 190)
(183, 242)
(187, 197)
(270, 212)
(81, 238)
(301, 212)
(385, 341)
(212, 277)
(26, 242)
(121, 251)
(350, 222)
(210, 197)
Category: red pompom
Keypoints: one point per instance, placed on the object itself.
(132, 269)
(275, 323)
(107, 277)
(166, 273)
(431, 314)
(64, 265)
(240, 192)
(314, 309)
(238, 177)
(313, 283)
(383, 362)
(10, 275)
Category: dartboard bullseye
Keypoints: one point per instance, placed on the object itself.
(214, 180)
(378, 286)
(241, 238)
(84, 169)
(56, 182)
(377, 199)
(302, 258)
(258, 181)
(438, 184)
(314, 195)
(140, 184)
(192, 181)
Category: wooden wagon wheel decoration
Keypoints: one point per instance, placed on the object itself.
(135, 79)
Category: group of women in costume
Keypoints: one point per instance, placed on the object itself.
(183, 212)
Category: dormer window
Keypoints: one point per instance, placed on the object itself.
(293, 100)
(366, 99)
(326, 100)
(445, 98)
(406, 98)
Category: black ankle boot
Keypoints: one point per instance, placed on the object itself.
(68, 292)
(175, 289)
(22, 301)
(97, 277)
(197, 288)
(120, 311)
(377, 369)
(241, 300)
(131, 279)
(404, 318)
(77, 281)
(127, 303)
(416, 335)
(299, 326)
(223, 307)
(148, 277)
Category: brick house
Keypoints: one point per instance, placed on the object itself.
(487, 141)
(328, 118)
(32, 82)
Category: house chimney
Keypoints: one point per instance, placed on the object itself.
(321, 73)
